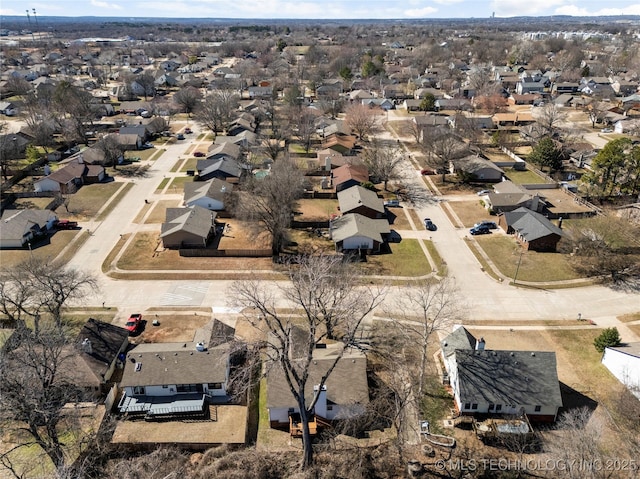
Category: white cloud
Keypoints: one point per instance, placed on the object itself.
(420, 12)
(583, 12)
(514, 8)
(99, 4)
(447, 2)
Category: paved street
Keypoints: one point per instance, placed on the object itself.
(484, 297)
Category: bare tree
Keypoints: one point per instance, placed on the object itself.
(441, 146)
(361, 119)
(383, 161)
(549, 118)
(318, 289)
(422, 309)
(269, 202)
(147, 82)
(216, 110)
(77, 109)
(111, 148)
(35, 287)
(35, 384)
(188, 99)
(597, 112)
(305, 124)
(9, 151)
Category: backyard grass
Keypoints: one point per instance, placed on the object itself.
(37, 202)
(436, 402)
(523, 177)
(627, 318)
(471, 212)
(309, 242)
(543, 267)
(406, 259)
(87, 201)
(316, 209)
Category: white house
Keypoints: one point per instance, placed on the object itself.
(174, 381)
(208, 194)
(624, 363)
(19, 227)
(500, 382)
(344, 395)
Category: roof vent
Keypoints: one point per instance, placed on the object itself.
(533, 354)
(511, 354)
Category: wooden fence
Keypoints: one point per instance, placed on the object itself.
(225, 253)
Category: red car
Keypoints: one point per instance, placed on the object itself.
(66, 225)
(198, 154)
(133, 323)
(188, 130)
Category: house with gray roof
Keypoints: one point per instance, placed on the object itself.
(477, 168)
(500, 382)
(225, 168)
(19, 227)
(70, 177)
(223, 150)
(357, 199)
(208, 194)
(534, 231)
(345, 393)
(188, 227)
(355, 232)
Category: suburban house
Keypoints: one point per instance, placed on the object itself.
(224, 168)
(101, 347)
(624, 363)
(71, 177)
(507, 196)
(7, 108)
(344, 395)
(534, 231)
(343, 144)
(499, 382)
(188, 227)
(19, 227)
(361, 200)
(209, 194)
(355, 232)
(244, 139)
(348, 175)
(223, 150)
(174, 382)
(477, 168)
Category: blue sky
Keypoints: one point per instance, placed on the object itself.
(321, 9)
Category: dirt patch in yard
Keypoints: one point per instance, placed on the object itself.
(242, 235)
(173, 328)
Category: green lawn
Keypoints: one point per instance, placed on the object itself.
(506, 254)
(406, 259)
(441, 266)
(190, 164)
(162, 184)
(177, 184)
(523, 177)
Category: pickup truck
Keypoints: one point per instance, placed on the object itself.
(66, 224)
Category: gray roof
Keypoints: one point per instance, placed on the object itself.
(632, 349)
(508, 199)
(214, 188)
(346, 385)
(475, 163)
(508, 187)
(227, 166)
(354, 224)
(223, 149)
(531, 225)
(17, 223)
(175, 367)
(508, 377)
(355, 196)
(106, 342)
(196, 220)
(458, 339)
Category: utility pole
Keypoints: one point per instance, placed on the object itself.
(515, 276)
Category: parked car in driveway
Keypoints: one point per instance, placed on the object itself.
(199, 154)
(134, 323)
(188, 130)
(180, 136)
(392, 203)
(428, 224)
(489, 224)
(480, 230)
(66, 225)
(483, 192)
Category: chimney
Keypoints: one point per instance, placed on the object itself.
(535, 201)
(480, 344)
(86, 346)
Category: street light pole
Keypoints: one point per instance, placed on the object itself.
(515, 276)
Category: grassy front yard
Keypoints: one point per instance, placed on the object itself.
(87, 201)
(406, 259)
(471, 212)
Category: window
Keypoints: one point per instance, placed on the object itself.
(164, 386)
(492, 407)
(186, 388)
(538, 408)
(467, 405)
(215, 385)
(138, 390)
(474, 406)
(499, 407)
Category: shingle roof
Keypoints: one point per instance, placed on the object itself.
(346, 385)
(196, 220)
(531, 225)
(354, 224)
(350, 172)
(106, 340)
(458, 339)
(16, 223)
(175, 367)
(214, 188)
(508, 377)
(228, 166)
(356, 196)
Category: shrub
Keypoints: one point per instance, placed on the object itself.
(608, 337)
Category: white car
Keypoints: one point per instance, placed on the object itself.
(483, 192)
